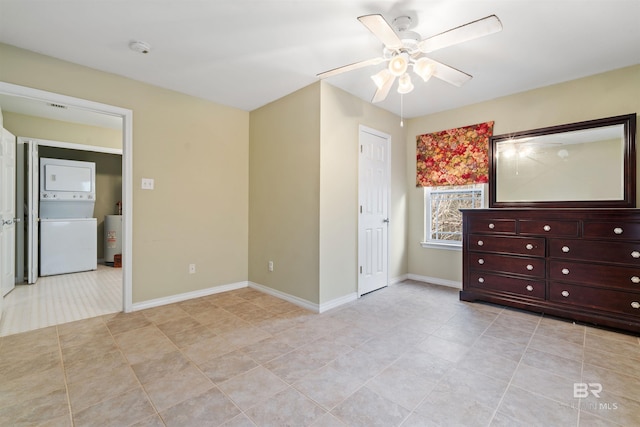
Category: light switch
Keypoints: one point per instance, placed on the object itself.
(147, 183)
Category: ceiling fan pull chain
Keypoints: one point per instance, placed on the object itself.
(401, 110)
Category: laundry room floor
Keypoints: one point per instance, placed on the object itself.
(62, 298)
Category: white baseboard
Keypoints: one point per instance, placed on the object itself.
(287, 297)
(396, 280)
(435, 281)
(188, 295)
(337, 302)
(317, 308)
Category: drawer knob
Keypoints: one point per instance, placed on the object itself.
(565, 271)
(547, 228)
(480, 279)
(529, 267)
(617, 230)
(635, 304)
(480, 243)
(635, 279)
(565, 293)
(492, 226)
(480, 261)
(529, 288)
(529, 246)
(565, 249)
(635, 254)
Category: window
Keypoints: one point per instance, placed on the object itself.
(443, 219)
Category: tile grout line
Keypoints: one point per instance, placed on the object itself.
(495, 412)
(196, 366)
(453, 365)
(64, 376)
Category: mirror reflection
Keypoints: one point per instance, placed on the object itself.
(570, 166)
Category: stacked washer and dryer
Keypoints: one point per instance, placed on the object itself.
(68, 230)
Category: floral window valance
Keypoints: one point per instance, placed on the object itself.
(454, 157)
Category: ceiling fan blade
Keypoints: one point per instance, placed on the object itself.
(449, 74)
(473, 30)
(382, 92)
(382, 30)
(350, 67)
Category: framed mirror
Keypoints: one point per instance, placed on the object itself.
(585, 164)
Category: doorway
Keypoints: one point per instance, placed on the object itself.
(126, 117)
(373, 217)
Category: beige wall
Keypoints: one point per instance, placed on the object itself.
(295, 160)
(197, 153)
(603, 95)
(341, 116)
(284, 173)
(304, 192)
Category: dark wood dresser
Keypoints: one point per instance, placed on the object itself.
(581, 264)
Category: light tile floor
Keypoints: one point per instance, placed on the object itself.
(410, 355)
(62, 298)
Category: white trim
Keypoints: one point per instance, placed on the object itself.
(292, 299)
(445, 246)
(398, 279)
(74, 146)
(127, 168)
(188, 295)
(436, 281)
(338, 302)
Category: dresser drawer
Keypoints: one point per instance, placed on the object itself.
(482, 225)
(531, 246)
(493, 282)
(601, 275)
(589, 250)
(612, 230)
(533, 267)
(548, 228)
(605, 299)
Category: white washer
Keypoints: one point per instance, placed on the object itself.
(68, 245)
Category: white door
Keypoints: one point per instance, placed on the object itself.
(8, 212)
(32, 212)
(373, 219)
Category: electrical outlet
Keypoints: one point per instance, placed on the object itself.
(147, 183)
(192, 269)
(270, 265)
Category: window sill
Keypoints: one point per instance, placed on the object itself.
(446, 246)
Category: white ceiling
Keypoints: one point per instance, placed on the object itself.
(247, 53)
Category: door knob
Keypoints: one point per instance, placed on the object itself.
(386, 220)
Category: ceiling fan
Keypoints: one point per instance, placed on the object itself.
(404, 48)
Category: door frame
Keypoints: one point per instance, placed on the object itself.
(387, 137)
(31, 196)
(127, 167)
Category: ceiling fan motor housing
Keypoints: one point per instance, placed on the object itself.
(410, 39)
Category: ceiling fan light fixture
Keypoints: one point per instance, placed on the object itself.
(404, 84)
(424, 68)
(399, 64)
(381, 78)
